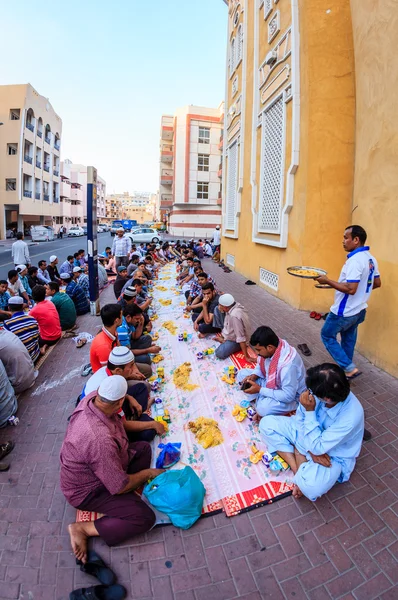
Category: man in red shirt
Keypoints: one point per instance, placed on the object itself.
(105, 340)
(47, 317)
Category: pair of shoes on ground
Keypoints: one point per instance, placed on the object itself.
(96, 567)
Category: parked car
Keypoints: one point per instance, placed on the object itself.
(84, 229)
(103, 226)
(76, 231)
(144, 234)
(42, 233)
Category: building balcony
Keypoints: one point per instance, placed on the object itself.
(28, 159)
(38, 164)
(166, 177)
(56, 173)
(219, 173)
(46, 197)
(27, 194)
(40, 133)
(47, 168)
(166, 156)
(47, 139)
(167, 132)
(55, 200)
(166, 200)
(37, 195)
(30, 126)
(221, 144)
(57, 146)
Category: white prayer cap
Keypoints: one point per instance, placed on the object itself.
(21, 267)
(113, 388)
(53, 257)
(121, 355)
(16, 300)
(65, 276)
(136, 254)
(217, 227)
(120, 229)
(130, 291)
(226, 300)
(77, 269)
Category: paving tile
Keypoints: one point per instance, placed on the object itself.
(345, 583)
(194, 552)
(317, 576)
(312, 548)
(217, 563)
(246, 546)
(224, 590)
(162, 590)
(140, 580)
(242, 575)
(288, 540)
(220, 536)
(293, 589)
(268, 585)
(292, 567)
(164, 567)
(373, 588)
(191, 580)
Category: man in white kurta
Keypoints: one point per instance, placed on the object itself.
(279, 376)
(322, 441)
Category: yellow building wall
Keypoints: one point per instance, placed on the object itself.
(375, 27)
(324, 179)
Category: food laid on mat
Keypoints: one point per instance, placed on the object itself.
(306, 272)
(161, 288)
(164, 302)
(155, 337)
(181, 378)
(170, 326)
(206, 431)
(239, 413)
(256, 454)
(157, 358)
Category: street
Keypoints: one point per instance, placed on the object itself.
(61, 248)
(43, 250)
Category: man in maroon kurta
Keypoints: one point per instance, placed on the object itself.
(100, 469)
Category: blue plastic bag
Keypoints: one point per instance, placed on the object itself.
(179, 494)
(169, 456)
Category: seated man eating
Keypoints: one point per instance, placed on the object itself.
(235, 328)
(100, 469)
(278, 378)
(322, 441)
(203, 322)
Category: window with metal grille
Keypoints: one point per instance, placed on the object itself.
(272, 165)
(232, 184)
(204, 135)
(232, 57)
(12, 149)
(239, 46)
(202, 191)
(203, 162)
(11, 185)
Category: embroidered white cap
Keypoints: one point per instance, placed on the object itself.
(16, 300)
(113, 388)
(121, 355)
(65, 276)
(53, 257)
(77, 269)
(21, 267)
(226, 300)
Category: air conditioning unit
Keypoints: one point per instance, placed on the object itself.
(271, 58)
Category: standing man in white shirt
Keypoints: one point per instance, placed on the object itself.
(20, 251)
(217, 239)
(121, 248)
(359, 276)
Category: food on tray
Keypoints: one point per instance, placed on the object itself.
(305, 272)
(206, 431)
(157, 358)
(181, 377)
(164, 302)
(161, 288)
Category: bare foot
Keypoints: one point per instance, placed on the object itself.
(352, 373)
(78, 540)
(297, 493)
(43, 350)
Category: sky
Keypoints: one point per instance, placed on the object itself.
(111, 69)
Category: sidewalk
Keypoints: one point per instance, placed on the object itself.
(344, 546)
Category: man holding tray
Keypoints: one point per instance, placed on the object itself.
(359, 276)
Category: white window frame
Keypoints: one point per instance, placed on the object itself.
(203, 139)
(202, 160)
(231, 185)
(279, 98)
(203, 192)
(232, 55)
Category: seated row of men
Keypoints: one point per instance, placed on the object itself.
(320, 442)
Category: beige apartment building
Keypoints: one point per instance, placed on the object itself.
(140, 206)
(30, 140)
(113, 208)
(191, 170)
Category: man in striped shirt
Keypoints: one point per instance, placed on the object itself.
(77, 294)
(23, 326)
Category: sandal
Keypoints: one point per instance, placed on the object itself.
(4, 467)
(96, 567)
(6, 449)
(99, 592)
(313, 314)
(351, 377)
(81, 342)
(318, 317)
(304, 349)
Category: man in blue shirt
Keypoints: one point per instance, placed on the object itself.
(359, 276)
(4, 298)
(77, 294)
(67, 266)
(322, 440)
